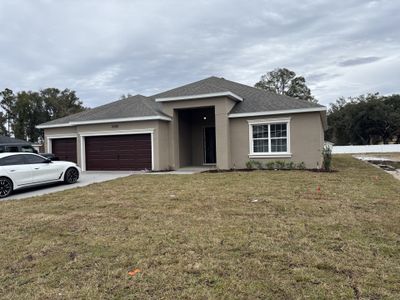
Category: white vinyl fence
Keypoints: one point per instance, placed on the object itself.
(366, 149)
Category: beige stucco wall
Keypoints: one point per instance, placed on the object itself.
(232, 136)
(222, 108)
(306, 139)
(163, 146)
(160, 136)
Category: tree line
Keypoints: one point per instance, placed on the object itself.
(24, 110)
(363, 120)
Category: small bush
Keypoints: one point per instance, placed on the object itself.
(327, 158)
(275, 165)
(254, 165)
(270, 165)
(289, 165)
(250, 165)
(258, 165)
(301, 166)
(280, 164)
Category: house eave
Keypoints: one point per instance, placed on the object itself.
(277, 112)
(116, 120)
(201, 96)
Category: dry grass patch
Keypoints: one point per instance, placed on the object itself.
(263, 234)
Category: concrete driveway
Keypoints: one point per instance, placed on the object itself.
(85, 179)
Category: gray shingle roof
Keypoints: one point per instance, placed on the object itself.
(254, 100)
(9, 141)
(131, 107)
(206, 86)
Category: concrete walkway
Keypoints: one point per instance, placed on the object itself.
(85, 179)
(187, 170)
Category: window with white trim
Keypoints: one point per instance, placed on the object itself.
(269, 137)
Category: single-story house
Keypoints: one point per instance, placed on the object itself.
(213, 121)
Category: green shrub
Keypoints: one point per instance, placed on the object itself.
(274, 165)
(250, 165)
(301, 166)
(258, 165)
(289, 165)
(327, 158)
(254, 165)
(280, 164)
(270, 165)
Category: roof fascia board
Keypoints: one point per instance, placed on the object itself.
(201, 96)
(69, 124)
(277, 112)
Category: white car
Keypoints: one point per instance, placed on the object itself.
(21, 170)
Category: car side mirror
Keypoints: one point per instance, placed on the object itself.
(47, 161)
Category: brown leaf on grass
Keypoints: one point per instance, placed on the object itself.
(134, 272)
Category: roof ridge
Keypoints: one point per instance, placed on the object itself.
(87, 109)
(144, 101)
(90, 109)
(137, 103)
(186, 85)
(268, 92)
(114, 102)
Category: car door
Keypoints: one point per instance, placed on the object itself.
(15, 168)
(43, 170)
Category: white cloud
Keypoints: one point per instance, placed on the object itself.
(103, 49)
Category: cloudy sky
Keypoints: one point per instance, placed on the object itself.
(103, 49)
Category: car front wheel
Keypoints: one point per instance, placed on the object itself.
(71, 176)
(6, 187)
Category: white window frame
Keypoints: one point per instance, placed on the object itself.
(269, 154)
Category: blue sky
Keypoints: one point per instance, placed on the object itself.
(103, 49)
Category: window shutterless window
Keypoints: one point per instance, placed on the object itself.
(12, 160)
(269, 137)
(261, 138)
(34, 159)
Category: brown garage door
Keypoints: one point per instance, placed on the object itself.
(64, 149)
(119, 152)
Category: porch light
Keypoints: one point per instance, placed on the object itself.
(204, 118)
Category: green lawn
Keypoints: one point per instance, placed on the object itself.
(240, 235)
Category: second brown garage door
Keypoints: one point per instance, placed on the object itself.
(64, 149)
(119, 152)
